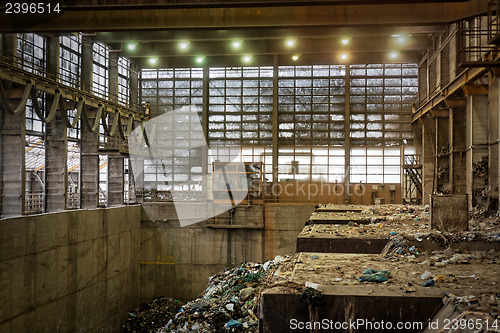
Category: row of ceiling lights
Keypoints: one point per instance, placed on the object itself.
(291, 42)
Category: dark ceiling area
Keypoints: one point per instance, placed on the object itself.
(376, 31)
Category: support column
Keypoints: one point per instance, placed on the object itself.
(9, 46)
(347, 134)
(115, 162)
(13, 176)
(204, 124)
(494, 138)
(275, 120)
(477, 143)
(12, 150)
(457, 150)
(428, 134)
(134, 86)
(113, 77)
(115, 180)
(89, 159)
(56, 144)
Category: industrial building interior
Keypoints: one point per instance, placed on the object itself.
(250, 166)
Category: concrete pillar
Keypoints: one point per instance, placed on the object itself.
(347, 135)
(457, 149)
(494, 137)
(56, 144)
(113, 76)
(428, 142)
(89, 158)
(115, 180)
(134, 85)
(275, 120)
(13, 174)
(9, 45)
(87, 65)
(476, 141)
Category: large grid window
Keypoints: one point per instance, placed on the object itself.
(376, 165)
(33, 123)
(100, 77)
(240, 106)
(311, 104)
(381, 97)
(170, 89)
(32, 53)
(123, 80)
(316, 164)
(70, 66)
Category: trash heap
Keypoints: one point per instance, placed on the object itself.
(480, 169)
(146, 317)
(229, 304)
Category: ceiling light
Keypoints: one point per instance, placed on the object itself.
(344, 41)
(199, 60)
(236, 44)
(247, 58)
(295, 57)
(393, 54)
(183, 45)
(290, 42)
(153, 60)
(400, 39)
(131, 46)
(344, 56)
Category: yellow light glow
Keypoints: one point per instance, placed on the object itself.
(153, 60)
(184, 45)
(393, 55)
(131, 46)
(236, 44)
(290, 42)
(345, 41)
(295, 57)
(247, 58)
(344, 56)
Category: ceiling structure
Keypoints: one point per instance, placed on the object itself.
(376, 31)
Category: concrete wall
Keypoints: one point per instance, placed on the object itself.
(72, 271)
(177, 261)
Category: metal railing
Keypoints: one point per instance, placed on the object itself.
(34, 203)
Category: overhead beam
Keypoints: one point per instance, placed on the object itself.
(269, 33)
(475, 89)
(262, 47)
(465, 77)
(283, 60)
(145, 17)
(455, 102)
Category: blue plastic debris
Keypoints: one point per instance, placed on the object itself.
(429, 283)
(234, 323)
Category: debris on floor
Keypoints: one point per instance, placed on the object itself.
(480, 169)
(229, 304)
(146, 317)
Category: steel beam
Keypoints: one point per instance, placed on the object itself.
(465, 77)
(91, 18)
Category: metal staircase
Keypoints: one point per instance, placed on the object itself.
(412, 178)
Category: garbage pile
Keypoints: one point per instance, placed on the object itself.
(480, 169)
(485, 303)
(443, 151)
(229, 304)
(146, 317)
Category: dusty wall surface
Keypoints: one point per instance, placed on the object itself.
(71, 271)
(177, 261)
